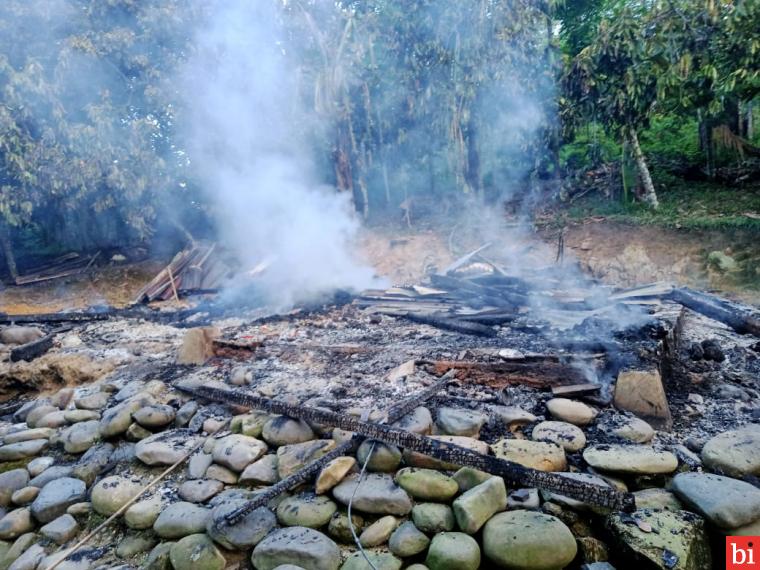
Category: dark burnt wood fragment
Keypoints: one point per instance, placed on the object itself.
(514, 473)
(449, 324)
(305, 474)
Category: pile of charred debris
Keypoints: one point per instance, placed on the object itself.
(480, 419)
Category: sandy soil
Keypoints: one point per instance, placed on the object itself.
(627, 255)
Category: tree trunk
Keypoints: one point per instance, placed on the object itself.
(472, 167)
(623, 171)
(7, 246)
(649, 196)
(356, 160)
(554, 142)
(706, 146)
(750, 122)
(344, 178)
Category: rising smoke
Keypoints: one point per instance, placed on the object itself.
(251, 137)
(248, 134)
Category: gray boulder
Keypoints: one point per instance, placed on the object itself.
(247, 532)
(154, 416)
(725, 502)
(181, 519)
(110, 494)
(10, 482)
(306, 509)
(376, 494)
(56, 497)
(165, 448)
(16, 523)
(238, 451)
(22, 449)
(528, 540)
(407, 540)
(61, 530)
(199, 490)
(282, 430)
(81, 436)
(457, 421)
(473, 508)
(453, 551)
(734, 452)
(196, 552)
(297, 545)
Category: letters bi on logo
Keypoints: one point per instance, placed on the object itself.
(742, 552)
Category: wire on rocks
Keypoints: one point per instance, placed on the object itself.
(132, 501)
(351, 502)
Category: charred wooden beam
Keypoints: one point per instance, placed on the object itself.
(718, 309)
(225, 348)
(503, 281)
(32, 350)
(67, 317)
(453, 283)
(130, 312)
(68, 266)
(513, 472)
(575, 390)
(488, 318)
(449, 324)
(306, 473)
(504, 296)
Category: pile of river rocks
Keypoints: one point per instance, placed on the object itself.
(70, 460)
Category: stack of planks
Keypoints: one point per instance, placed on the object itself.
(473, 294)
(193, 270)
(64, 266)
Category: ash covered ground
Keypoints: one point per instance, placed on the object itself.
(109, 417)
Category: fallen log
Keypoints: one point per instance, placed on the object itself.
(305, 474)
(514, 473)
(717, 309)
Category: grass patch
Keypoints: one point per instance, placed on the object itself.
(11, 465)
(690, 205)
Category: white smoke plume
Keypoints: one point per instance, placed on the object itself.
(248, 137)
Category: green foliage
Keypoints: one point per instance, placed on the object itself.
(672, 137)
(579, 20)
(84, 113)
(692, 205)
(664, 57)
(590, 146)
(414, 96)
